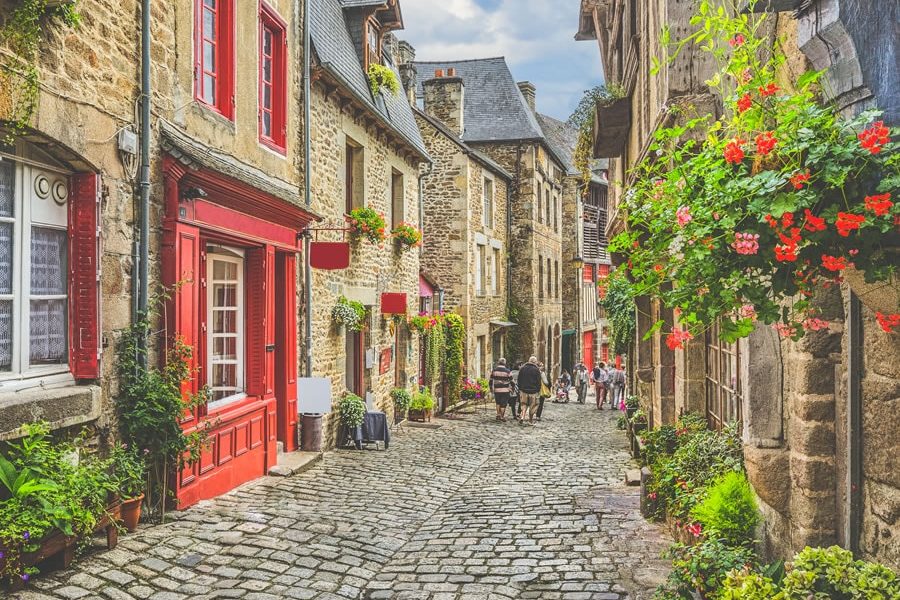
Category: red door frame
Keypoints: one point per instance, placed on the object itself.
(242, 435)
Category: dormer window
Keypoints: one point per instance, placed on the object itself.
(373, 44)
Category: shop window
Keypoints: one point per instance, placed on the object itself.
(43, 223)
(487, 199)
(225, 324)
(214, 55)
(723, 381)
(272, 80)
(397, 199)
(353, 175)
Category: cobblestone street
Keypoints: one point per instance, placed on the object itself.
(473, 510)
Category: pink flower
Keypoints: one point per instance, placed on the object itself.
(748, 311)
(683, 215)
(785, 331)
(737, 40)
(814, 324)
(746, 243)
(677, 338)
(695, 529)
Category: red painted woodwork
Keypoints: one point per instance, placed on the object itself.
(222, 42)
(588, 349)
(243, 435)
(604, 352)
(618, 361)
(393, 303)
(84, 282)
(329, 256)
(286, 349)
(385, 362)
(276, 82)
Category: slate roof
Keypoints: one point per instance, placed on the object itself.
(562, 138)
(477, 155)
(337, 54)
(495, 109)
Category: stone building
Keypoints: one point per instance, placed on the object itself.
(498, 119)
(366, 150)
(819, 421)
(465, 226)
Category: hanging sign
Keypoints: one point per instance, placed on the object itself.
(393, 304)
(329, 256)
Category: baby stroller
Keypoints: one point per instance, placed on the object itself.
(562, 392)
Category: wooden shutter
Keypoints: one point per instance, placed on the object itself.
(84, 276)
(260, 325)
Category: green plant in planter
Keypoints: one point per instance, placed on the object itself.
(632, 402)
(702, 568)
(349, 313)
(402, 399)
(659, 442)
(128, 471)
(19, 76)
(729, 510)
(621, 423)
(407, 236)
(368, 223)
(382, 77)
(352, 409)
(639, 418)
(739, 219)
(422, 400)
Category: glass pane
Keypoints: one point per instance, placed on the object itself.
(6, 334)
(267, 42)
(225, 294)
(267, 74)
(210, 3)
(209, 57)
(267, 124)
(224, 271)
(48, 332)
(225, 348)
(224, 321)
(209, 25)
(224, 376)
(209, 90)
(267, 97)
(48, 262)
(7, 187)
(6, 258)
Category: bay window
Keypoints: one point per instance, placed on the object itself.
(214, 55)
(272, 80)
(225, 324)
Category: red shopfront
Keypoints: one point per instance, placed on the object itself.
(230, 250)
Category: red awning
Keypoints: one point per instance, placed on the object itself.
(426, 290)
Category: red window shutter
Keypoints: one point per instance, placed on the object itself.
(260, 325)
(84, 280)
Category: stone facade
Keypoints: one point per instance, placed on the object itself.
(465, 248)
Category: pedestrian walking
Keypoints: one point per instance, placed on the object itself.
(581, 377)
(514, 392)
(617, 385)
(600, 379)
(545, 392)
(529, 389)
(501, 386)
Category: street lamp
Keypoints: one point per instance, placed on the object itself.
(577, 263)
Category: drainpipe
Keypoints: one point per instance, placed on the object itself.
(854, 422)
(422, 201)
(307, 183)
(144, 223)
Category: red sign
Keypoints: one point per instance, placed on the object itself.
(393, 304)
(329, 256)
(386, 356)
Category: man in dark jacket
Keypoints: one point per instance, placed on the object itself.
(529, 388)
(501, 386)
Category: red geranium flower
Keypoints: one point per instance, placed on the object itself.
(799, 179)
(814, 223)
(874, 137)
(744, 103)
(737, 40)
(768, 90)
(888, 322)
(734, 154)
(847, 222)
(880, 205)
(765, 142)
(677, 338)
(834, 263)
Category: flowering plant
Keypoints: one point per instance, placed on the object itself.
(128, 469)
(352, 409)
(402, 398)
(739, 219)
(473, 389)
(367, 222)
(407, 236)
(424, 321)
(349, 313)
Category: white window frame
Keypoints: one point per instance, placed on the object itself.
(236, 257)
(487, 203)
(479, 266)
(495, 269)
(22, 374)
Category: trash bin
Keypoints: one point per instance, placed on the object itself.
(311, 433)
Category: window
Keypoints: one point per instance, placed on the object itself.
(214, 55)
(479, 269)
(549, 279)
(487, 218)
(272, 80)
(556, 276)
(373, 44)
(477, 361)
(540, 277)
(495, 271)
(225, 323)
(556, 214)
(723, 380)
(397, 212)
(353, 175)
(547, 207)
(480, 356)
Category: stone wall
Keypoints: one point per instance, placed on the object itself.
(373, 269)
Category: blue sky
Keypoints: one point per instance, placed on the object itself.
(535, 36)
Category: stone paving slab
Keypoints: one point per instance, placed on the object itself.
(475, 510)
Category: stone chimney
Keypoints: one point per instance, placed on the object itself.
(529, 91)
(409, 75)
(445, 97)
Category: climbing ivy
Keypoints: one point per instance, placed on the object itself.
(456, 340)
(618, 302)
(435, 350)
(582, 119)
(19, 76)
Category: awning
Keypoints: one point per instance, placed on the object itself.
(568, 332)
(500, 323)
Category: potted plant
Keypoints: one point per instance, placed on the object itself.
(612, 121)
(382, 77)
(422, 405)
(367, 223)
(352, 410)
(349, 313)
(406, 236)
(402, 400)
(128, 473)
(631, 406)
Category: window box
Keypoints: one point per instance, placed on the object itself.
(611, 125)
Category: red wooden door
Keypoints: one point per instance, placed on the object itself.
(286, 349)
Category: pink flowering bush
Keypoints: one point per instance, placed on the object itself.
(740, 218)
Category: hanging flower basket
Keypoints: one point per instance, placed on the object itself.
(349, 314)
(367, 223)
(406, 236)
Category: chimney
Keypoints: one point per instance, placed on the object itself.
(409, 75)
(529, 91)
(445, 97)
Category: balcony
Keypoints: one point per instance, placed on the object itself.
(612, 123)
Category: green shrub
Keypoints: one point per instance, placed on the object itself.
(816, 573)
(422, 400)
(702, 568)
(402, 398)
(659, 442)
(729, 510)
(352, 409)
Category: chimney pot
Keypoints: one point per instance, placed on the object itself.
(438, 73)
(451, 72)
(529, 92)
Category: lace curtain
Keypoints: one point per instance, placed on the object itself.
(7, 193)
(48, 278)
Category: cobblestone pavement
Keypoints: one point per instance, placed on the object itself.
(474, 510)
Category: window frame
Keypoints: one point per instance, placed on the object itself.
(480, 251)
(270, 21)
(238, 257)
(487, 203)
(398, 185)
(354, 175)
(495, 271)
(224, 100)
(724, 403)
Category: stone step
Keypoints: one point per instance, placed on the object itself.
(633, 477)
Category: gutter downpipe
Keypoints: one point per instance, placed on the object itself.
(144, 224)
(307, 180)
(854, 422)
(422, 201)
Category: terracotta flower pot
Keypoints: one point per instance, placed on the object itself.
(131, 512)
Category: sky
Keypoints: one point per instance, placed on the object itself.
(537, 37)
